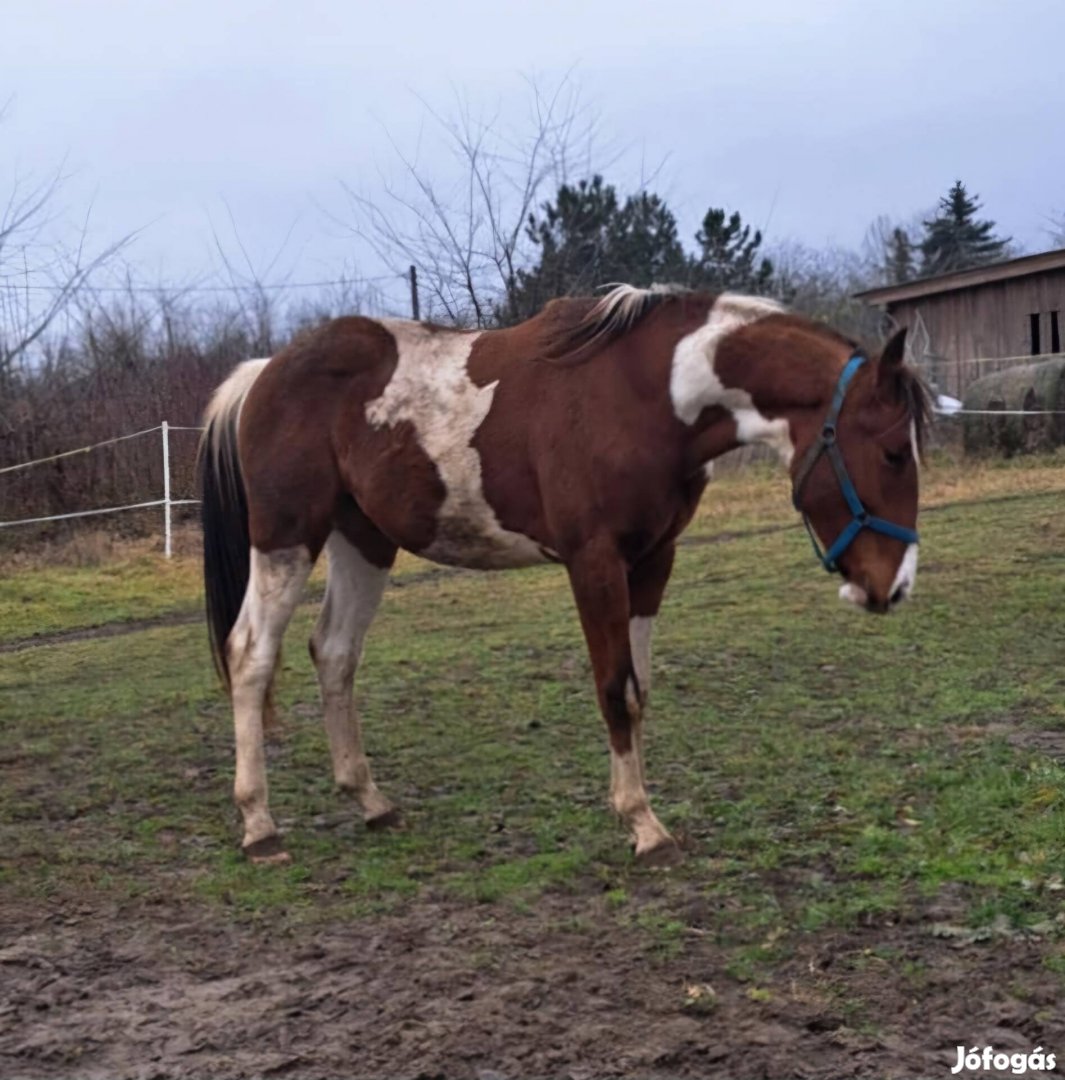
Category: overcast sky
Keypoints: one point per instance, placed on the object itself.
(809, 117)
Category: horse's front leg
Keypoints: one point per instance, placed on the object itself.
(647, 586)
(600, 585)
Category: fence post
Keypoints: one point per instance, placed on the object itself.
(166, 488)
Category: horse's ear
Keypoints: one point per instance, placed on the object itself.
(894, 351)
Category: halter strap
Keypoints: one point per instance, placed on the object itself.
(860, 517)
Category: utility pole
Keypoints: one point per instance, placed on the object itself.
(414, 293)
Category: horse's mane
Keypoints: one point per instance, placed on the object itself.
(920, 404)
(577, 327)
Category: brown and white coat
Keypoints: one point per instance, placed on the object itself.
(582, 436)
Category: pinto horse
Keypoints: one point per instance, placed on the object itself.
(582, 436)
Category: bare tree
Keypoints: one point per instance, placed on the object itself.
(265, 301)
(39, 274)
(821, 283)
(467, 237)
(1056, 231)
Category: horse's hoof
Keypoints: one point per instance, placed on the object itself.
(267, 852)
(665, 853)
(390, 819)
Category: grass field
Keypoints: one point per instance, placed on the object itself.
(827, 770)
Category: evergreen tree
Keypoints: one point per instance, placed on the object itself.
(901, 265)
(587, 238)
(955, 240)
(643, 245)
(727, 256)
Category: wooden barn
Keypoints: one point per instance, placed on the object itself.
(973, 322)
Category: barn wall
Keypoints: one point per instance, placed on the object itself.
(983, 322)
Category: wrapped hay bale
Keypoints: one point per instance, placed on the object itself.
(1027, 388)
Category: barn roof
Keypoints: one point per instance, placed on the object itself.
(965, 279)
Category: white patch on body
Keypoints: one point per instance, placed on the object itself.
(432, 390)
(694, 385)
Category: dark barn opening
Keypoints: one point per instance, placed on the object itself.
(1033, 328)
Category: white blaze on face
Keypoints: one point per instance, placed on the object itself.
(906, 578)
(431, 388)
(906, 575)
(901, 587)
(694, 384)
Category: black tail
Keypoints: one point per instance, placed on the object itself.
(224, 515)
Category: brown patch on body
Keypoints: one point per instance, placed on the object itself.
(564, 449)
(312, 462)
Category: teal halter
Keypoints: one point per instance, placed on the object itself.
(860, 517)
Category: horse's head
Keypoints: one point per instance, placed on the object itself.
(855, 477)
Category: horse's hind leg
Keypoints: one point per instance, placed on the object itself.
(274, 588)
(352, 595)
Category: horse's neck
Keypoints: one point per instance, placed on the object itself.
(728, 428)
(722, 403)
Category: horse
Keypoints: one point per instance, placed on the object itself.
(583, 436)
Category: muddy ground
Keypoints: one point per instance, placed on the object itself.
(443, 990)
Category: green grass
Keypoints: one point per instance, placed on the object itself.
(35, 601)
(828, 769)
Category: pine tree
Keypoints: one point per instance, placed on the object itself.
(587, 239)
(901, 265)
(728, 256)
(955, 240)
(644, 247)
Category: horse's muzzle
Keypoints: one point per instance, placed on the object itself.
(877, 601)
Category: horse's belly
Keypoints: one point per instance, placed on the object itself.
(470, 535)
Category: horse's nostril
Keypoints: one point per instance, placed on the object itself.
(899, 595)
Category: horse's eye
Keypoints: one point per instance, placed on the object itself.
(897, 459)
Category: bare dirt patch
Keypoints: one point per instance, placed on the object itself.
(447, 990)
(89, 633)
